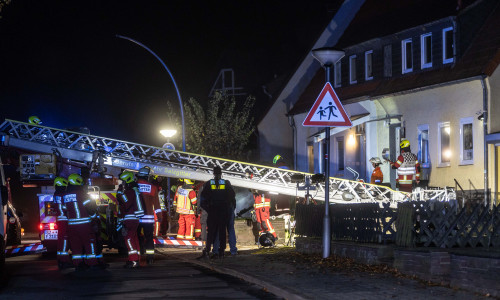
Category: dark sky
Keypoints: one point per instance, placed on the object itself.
(61, 61)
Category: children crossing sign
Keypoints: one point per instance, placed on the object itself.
(327, 110)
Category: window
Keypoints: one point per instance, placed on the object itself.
(407, 56)
(444, 149)
(466, 141)
(423, 146)
(352, 69)
(368, 65)
(340, 153)
(426, 50)
(448, 45)
(337, 79)
(388, 60)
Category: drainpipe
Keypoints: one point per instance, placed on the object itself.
(485, 133)
(291, 123)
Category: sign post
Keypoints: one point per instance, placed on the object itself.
(327, 111)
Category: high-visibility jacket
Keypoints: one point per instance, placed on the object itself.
(80, 208)
(262, 207)
(217, 193)
(408, 168)
(377, 176)
(130, 203)
(185, 200)
(151, 200)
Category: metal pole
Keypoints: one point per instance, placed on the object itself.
(171, 76)
(326, 220)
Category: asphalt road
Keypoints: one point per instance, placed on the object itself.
(37, 277)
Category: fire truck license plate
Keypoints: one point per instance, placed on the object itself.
(51, 234)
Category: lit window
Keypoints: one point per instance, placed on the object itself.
(337, 78)
(368, 65)
(426, 50)
(352, 69)
(448, 45)
(340, 153)
(423, 146)
(466, 141)
(444, 145)
(407, 56)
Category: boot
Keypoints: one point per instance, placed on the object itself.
(204, 254)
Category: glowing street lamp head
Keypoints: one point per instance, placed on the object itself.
(168, 132)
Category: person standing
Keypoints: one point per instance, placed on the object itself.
(408, 168)
(217, 196)
(377, 175)
(80, 209)
(151, 206)
(130, 203)
(231, 234)
(63, 257)
(185, 203)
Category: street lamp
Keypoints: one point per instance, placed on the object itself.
(168, 133)
(175, 85)
(327, 57)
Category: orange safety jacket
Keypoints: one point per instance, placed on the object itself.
(408, 168)
(185, 199)
(377, 176)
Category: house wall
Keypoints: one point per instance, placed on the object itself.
(494, 101)
(443, 104)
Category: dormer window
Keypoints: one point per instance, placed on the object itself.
(407, 56)
(368, 65)
(426, 50)
(352, 69)
(337, 74)
(448, 45)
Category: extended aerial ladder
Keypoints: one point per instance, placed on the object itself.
(117, 155)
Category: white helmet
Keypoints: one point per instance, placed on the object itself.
(375, 160)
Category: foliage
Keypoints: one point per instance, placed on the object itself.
(3, 3)
(222, 129)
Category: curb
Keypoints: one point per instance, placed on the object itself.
(265, 285)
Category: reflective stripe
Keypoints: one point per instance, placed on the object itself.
(147, 219)
(86, 201)
(130, 217)
(98, 256)
(132, 252)
(221, 186)
(150, 251)
(158, 210)
(90, 256)
(78, 256)
(138, 199)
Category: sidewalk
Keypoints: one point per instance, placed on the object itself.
(292, 275)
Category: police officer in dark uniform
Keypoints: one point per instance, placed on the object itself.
(217, 197)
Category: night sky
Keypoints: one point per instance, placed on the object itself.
(61, 61)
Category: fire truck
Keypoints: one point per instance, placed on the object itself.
(51, 152)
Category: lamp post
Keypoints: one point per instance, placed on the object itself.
(171, 76)
(168, 133)
(327, 57)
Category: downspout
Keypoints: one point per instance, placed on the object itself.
(485, 133)
(291, 122)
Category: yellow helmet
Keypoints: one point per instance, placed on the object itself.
(34, 120)
(75, 179)
(60, 181)
(188, 181)
(276, 158)
(127, 176)
(145, 171)
(404, 144)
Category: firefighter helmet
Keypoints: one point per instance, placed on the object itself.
(375, 160)
(145, 172)
(60, 181)
(34, 120)
(127, 176)
(404, 144)
(277, 158)
(217, 170)
(188, 181)
(266, 240)
(75, 179)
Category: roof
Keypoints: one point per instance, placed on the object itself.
(480, 58)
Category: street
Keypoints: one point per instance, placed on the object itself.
(37, 276)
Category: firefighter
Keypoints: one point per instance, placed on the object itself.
(63, 258)
(34, 120)
(200, 226)
(80, 209)
(377, 175)
(185, 202)
(217, 197)
(408, 168)
(151, 206)
(262, 207)
(130, 203)
(279, 162)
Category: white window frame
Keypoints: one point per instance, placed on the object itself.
(465, 121)
(337, 74)
(420, 128)
(451, 59)
(440, 162)
(351, 67)
(367, 53)
(423, 50)
(405, 70)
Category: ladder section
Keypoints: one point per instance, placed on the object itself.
(177, 164)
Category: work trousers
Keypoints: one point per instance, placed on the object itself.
(406, 187)
(204, 224)
(148, 243)
(82, 240)
(231, 234)
(62, 242)
(186, 227)
(197, 227)
(131, 239)
(217, 221)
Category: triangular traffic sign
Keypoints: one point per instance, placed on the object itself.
(327, 110)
